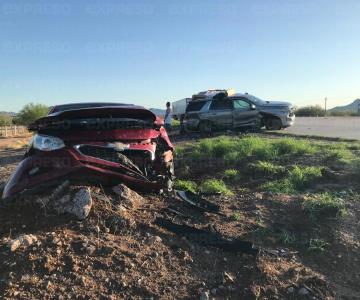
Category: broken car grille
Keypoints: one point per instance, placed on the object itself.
(104, 153)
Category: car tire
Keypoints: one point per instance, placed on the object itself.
(205, 128)
(273, 124)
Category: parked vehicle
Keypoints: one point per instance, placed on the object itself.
(179, 108)
(102, 142)
(223, 111)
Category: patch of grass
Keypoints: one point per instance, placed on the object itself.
(215, 186)
(263, 232)
(317, 245)
(293, 146)
(297, 180)
(234, 149)
(337, 151)
(266, 167)
(237, 216)
(186, 185)
(286, 237)
(301, 177)
(324, 205)
(353, 146)
(278, 186)
(231, 175)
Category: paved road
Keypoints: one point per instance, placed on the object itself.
(341, 127)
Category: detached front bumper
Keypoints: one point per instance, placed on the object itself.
(68, 164)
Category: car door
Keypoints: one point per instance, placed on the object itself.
(220, 113)
(245, 113)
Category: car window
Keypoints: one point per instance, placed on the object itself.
(241, 105)
(195, 106)
(221, 104)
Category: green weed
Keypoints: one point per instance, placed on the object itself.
(297, 179)
(215, 186)
(317, 245)
(236, 216)
(324, 205)
(186, 185)
(266, 167)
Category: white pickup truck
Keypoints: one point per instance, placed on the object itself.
(179, 108)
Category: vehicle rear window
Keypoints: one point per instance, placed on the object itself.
(195, 106)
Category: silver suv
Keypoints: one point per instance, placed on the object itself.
(223, 111)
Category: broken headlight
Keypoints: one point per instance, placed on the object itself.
(47, 143)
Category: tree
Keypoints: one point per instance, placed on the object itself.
(31, 112)
(5, 119)
(310, 111)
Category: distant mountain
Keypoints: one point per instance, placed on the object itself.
(10, 113)
(158, 111)
(353, 107)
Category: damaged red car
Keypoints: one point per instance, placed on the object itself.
(103, 143)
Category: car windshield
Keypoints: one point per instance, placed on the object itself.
(256, 100)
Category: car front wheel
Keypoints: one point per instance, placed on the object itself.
(273, 124)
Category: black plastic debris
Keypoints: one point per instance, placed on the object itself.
(207, 238)
(198, 201)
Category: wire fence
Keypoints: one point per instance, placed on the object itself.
(13, 131)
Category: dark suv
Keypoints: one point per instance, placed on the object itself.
(235, 112)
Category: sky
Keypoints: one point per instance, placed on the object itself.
(150, 52)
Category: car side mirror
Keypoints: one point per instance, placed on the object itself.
(252, 107)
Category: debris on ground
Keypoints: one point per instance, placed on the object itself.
(198, 201)
(208, 238)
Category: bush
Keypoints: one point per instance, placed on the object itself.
(310, 111)
(344, 113)
(215, 186)
(30, 113)
(5, 119)
(186, 185)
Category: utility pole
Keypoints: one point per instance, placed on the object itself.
(325, 104)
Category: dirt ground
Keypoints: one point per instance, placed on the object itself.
(119, 253)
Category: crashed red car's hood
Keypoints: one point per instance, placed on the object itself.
(133, 111)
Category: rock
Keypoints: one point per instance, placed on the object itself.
(79, 205)
(48, 284)
(90, 250)
(204, 295)
(24, 240)
(290, 290)
(129, 197)
(153, 240)
(228, 277)
(214, 291)
(107, 251)
(303, 291)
